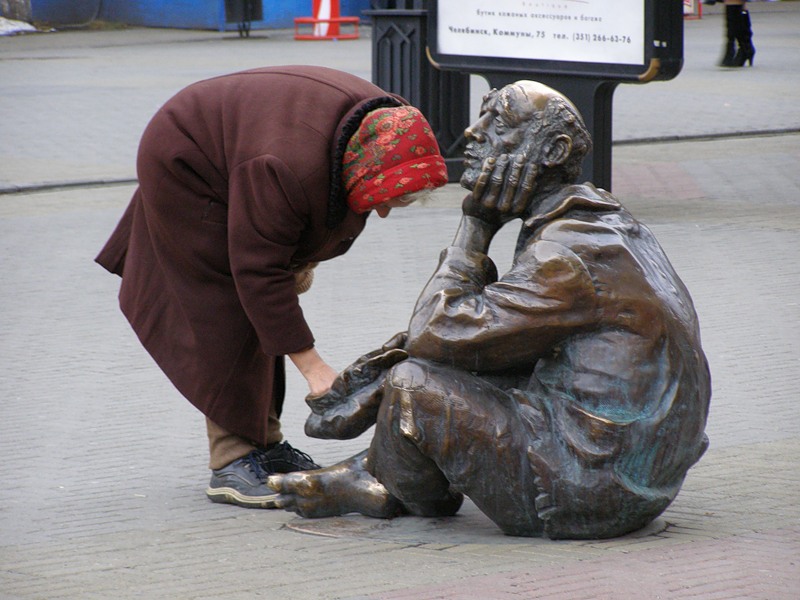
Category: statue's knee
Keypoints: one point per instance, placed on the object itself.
(415, 388)
(409, 375)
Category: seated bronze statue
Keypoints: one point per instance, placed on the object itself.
(567, 398)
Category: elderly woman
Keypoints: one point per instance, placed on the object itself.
(246, 181)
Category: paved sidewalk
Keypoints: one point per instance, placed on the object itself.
(104, 463)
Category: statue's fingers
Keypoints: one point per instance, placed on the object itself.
(483, 178)
(398, 341)
(321, 403)
(523, 194)
(317, 426)
(499, 171)
(511, 184)
(491, 196)
(390, 358)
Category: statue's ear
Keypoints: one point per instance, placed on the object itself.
(559, 151)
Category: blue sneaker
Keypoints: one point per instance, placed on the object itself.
(243, 482)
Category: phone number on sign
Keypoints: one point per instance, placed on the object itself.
(601, 38)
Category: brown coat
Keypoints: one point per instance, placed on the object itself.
(234, 194)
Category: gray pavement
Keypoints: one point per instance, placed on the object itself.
(104, 463)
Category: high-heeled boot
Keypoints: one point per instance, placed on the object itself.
(732, 17)
(744, 37)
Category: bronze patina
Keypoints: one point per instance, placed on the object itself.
(566, 398)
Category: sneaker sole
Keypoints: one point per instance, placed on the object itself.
(226, 495)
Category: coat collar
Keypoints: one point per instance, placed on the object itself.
(585, 196)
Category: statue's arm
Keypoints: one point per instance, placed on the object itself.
(469, 318)
(503, 191)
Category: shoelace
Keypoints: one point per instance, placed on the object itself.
(256, 467)
(295, 453)
(283, 452)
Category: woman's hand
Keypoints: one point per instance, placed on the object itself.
(318, 374)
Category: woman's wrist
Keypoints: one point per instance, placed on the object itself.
(317, 373)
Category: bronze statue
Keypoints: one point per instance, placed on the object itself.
(567, 398)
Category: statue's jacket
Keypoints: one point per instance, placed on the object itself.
(234, 194)
(596, 323)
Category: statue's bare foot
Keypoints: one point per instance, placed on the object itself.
(336, 490)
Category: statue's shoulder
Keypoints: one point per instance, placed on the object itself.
(574, 209)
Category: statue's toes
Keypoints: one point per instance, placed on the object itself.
(295, 492)
(286, 502)
(299, 483)
(275, 482)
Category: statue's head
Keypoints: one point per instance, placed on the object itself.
(528, 118)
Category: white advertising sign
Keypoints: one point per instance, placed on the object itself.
(589, 31)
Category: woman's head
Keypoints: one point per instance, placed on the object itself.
(392, 155)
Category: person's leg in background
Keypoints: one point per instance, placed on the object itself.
(744, 37)
(739, 47)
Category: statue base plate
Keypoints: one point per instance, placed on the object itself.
(469, 526)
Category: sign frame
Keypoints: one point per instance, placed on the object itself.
(662, 50)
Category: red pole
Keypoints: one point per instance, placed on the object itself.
(323, 10)
(326, 21)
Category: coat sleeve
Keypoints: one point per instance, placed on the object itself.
(267, 214)
(468, 318)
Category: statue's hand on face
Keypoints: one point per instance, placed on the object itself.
(503, 190)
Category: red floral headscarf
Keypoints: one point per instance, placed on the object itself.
(393, 153)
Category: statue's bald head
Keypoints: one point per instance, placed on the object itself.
(538, 94)
(547, 114)
(531, 120)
